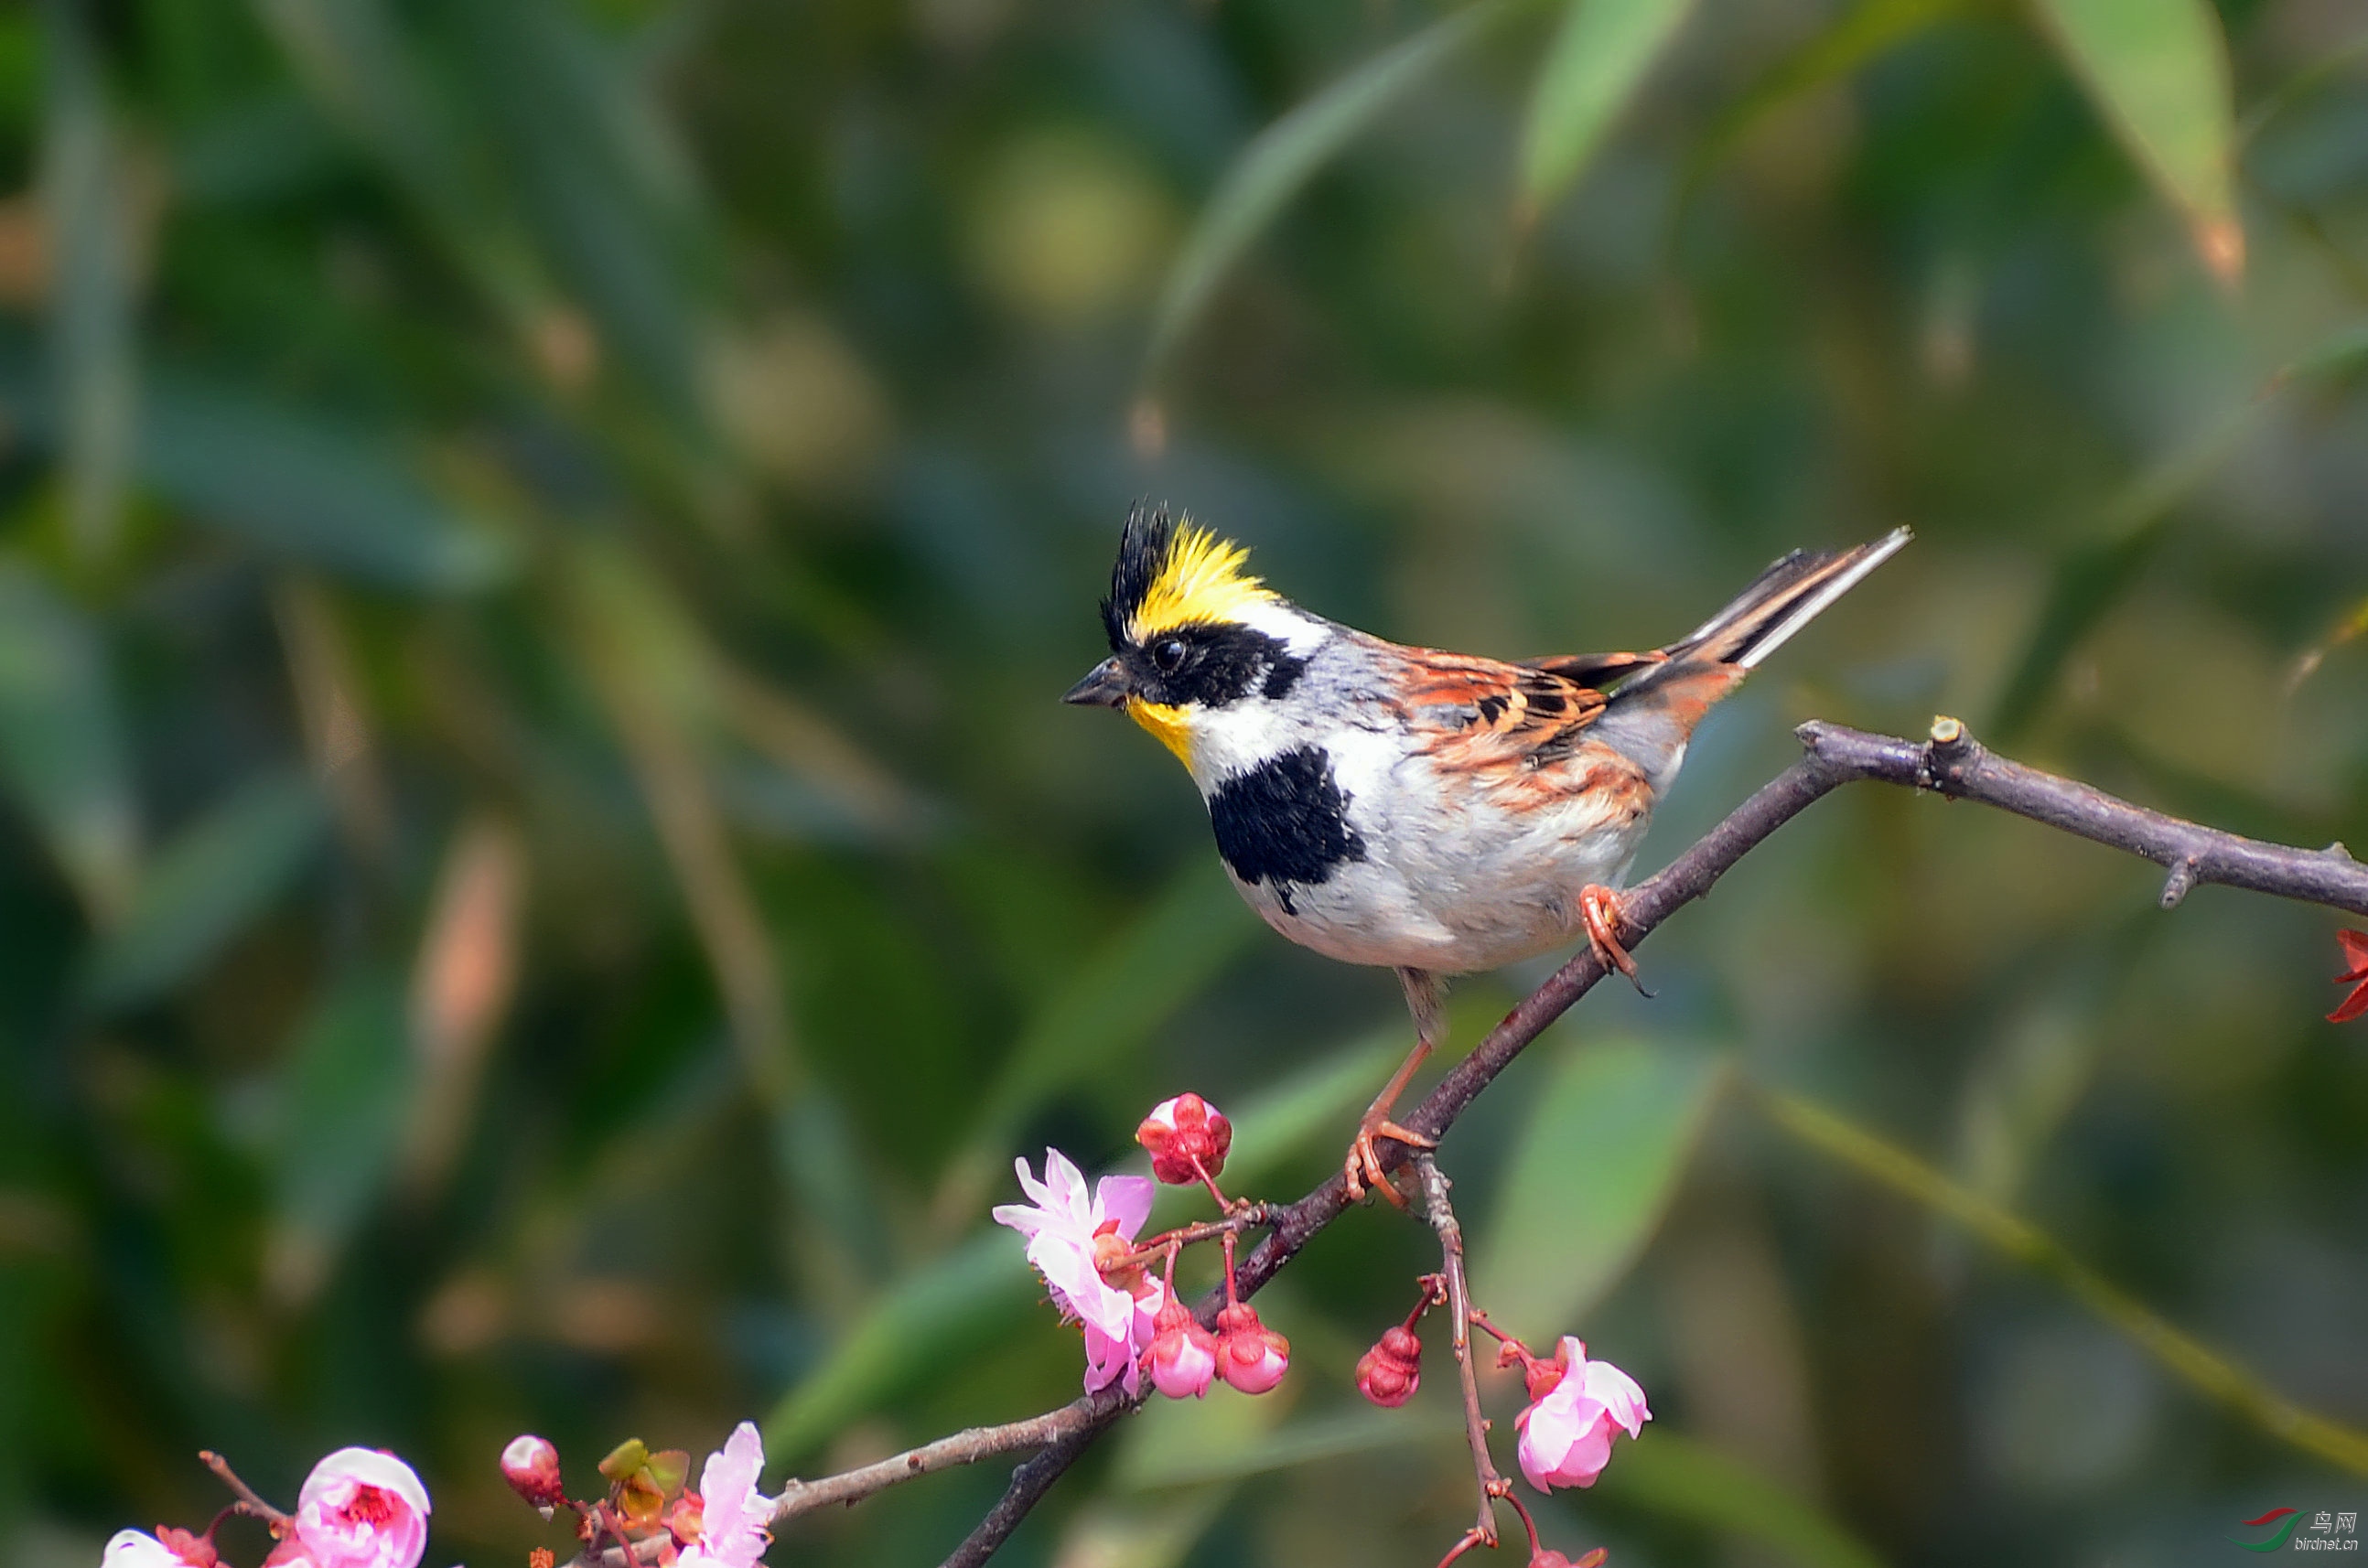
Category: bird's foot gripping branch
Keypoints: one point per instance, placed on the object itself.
(362, 1508)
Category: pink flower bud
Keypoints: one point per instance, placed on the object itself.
(362, 1508)
(1180, 1131)
(531, 1467)
(1594, 1557)
(1390, 1372)
(1250, 1355)
(1567, 1434)
(1183, 1354)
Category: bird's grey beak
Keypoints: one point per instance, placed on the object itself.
(1104, 687)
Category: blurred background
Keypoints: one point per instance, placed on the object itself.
(543, 882)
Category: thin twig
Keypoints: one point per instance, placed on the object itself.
(248, 1501)
(1951, 763)
(1243, 1216)
(1441, 1215)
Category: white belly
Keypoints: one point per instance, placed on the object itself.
(1460, 892)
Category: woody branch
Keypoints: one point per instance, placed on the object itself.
(1950, 763)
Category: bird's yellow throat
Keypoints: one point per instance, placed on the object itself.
(1167, 722)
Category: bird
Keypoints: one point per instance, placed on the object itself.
(1432, 812)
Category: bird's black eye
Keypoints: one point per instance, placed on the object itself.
(1168, 655)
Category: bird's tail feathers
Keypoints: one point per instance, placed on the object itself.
(1791, 592)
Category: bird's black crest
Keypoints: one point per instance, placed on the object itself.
(1142, 556)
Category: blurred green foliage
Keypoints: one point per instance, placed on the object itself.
(543, 882)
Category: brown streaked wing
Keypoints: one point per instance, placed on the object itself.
(1482, 715)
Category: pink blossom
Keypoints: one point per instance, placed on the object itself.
(1250, 1355)
(1183, 1354)
(735, 1513)
(137, 1549)
(1566, 1434)
(360, 1508)
(1075, 1244)
(1187, 1138)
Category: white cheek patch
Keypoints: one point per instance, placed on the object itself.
(1299, 632)
(1235, 738)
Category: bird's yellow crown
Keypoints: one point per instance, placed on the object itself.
(1169, 578)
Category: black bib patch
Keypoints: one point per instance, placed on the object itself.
(1284, 820)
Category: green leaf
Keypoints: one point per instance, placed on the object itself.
(625, 1460)
(667, 1470)
(87, 195)
(1126, 989)
(298, 487)
(594, 172)
(1600, 56)
(2157, 72)
(354, 59)
(2098, 569)
(62, 746)
(205, 887)
(1863, 33)
(1672, 1474)
(1594, 1168)
(1189, 1442)
(964, 1301)
(1284, 156)
(344, 1098)
(283, 478)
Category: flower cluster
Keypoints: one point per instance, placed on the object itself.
(723, 1524)
(1084, 1246)
(1095, 1269)
(1576, 1406)
(365, 1508)
(359, 1508)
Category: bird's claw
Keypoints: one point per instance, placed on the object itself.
(1599, 909)
(1363, 1169)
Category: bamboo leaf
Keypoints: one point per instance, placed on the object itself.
(282, 479)
(1192, 1442)
(1670, 1473)
(2191, 1361)
(2098, 569)
(205, 887)
(1600, 56)
(1859, 36)
(300, 487)
(87, 197)
(966, 1300)
(62, 746)
(1124, 991)
(1284, 156)
(2157, 72)
(1594, 1168)
(345, 1095)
